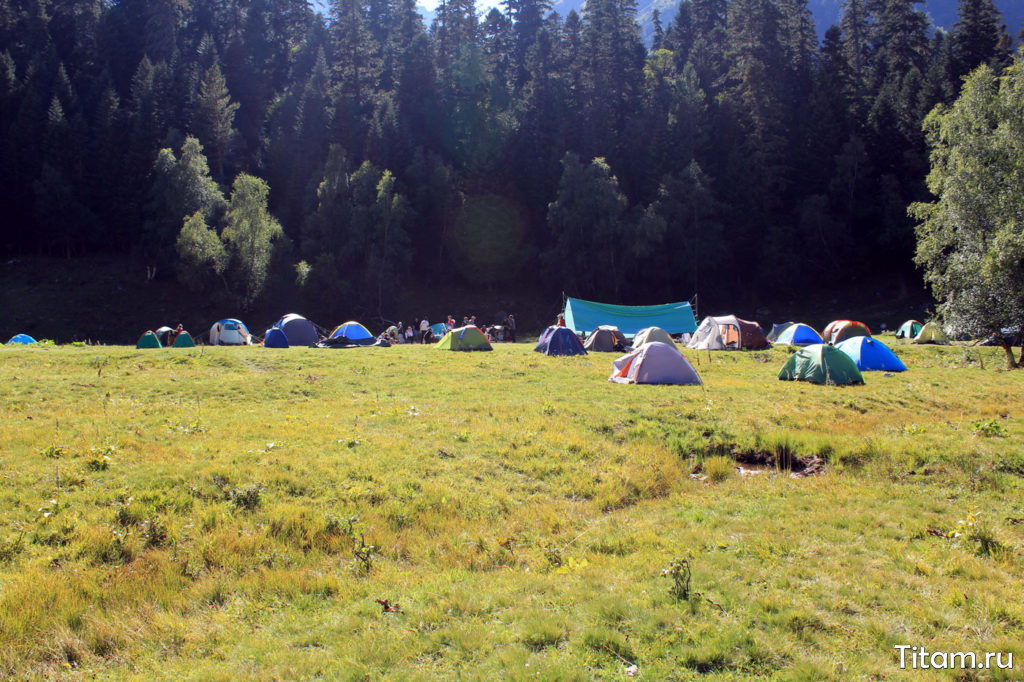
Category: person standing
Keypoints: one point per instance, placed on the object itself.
(512, 327)
(424, 329)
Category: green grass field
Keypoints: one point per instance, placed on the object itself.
(225, 513)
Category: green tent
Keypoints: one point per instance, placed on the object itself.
(931, 333)
(148, 340)
(909, 329)
(821, 364)
(464, 338)
(184, 340)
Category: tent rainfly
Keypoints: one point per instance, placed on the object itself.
(585, 316)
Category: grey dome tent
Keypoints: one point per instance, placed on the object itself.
(654, 363)
(606, 339)
(651, 334)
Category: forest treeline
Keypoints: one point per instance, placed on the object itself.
(236, 140)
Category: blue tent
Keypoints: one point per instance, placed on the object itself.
(353, 333)
(299, 330)
(23, 339)
(439, 329)
(586, 316)
(798, 335)
(275, 338)
(871, 354)
(560, 341)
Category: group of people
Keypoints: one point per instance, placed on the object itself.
(419, 331)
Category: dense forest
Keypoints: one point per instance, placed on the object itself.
(230, 142)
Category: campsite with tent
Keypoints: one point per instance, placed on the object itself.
(512, 340)
(626, 468)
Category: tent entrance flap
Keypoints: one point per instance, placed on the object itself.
(585, 316)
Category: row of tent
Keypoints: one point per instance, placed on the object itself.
(290, 330)
(654, 357)
(661, 363)
(799, 334)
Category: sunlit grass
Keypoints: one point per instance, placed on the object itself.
(226, 513)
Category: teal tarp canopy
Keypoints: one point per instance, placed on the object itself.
(586, 316)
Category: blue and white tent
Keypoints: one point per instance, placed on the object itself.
(230, 332)
(799, 335)
(871, 355)
(22, 339)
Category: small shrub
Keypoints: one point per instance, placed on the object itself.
(98, 463)
(540, 632)
(988, 428)
(10, 548)
(247, 498)
(719, 468)
(53, 452)
(363, 555)
(155, 532)
(679, 572)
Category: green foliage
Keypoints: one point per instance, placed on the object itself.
(970, 240)
(203, 256)
(588, 227)
(248, 236)
(679, 572)
(357, 238)
(989, 428)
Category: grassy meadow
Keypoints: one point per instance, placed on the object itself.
(236, 513)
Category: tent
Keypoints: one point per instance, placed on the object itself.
(846, 329)
(798, 335)
(163, 334)
(821, 364)
(871, 355)
(728, 333)
(299, 330)
(777, 329)
(909, 329)
(585, 316)
(230, 332)
(464, 338)
(606, 339)
(931, 333)
(183, 340)
(148, 340)
(275, 338)
(21, 339)
(827, 331)
(654, 363)
(652, 334)
(353, 334)
(560, 341)
(439, 329)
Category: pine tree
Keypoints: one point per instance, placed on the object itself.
(587, 228)
(215, 115)
(977, 37)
